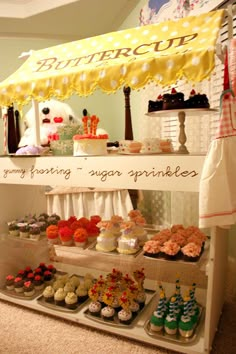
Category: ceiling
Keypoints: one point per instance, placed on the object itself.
(62, 19)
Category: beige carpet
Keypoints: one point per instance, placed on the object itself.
(23, 331)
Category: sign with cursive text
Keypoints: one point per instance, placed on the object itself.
(147, 172)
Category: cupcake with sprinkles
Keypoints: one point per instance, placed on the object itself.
(95, 305)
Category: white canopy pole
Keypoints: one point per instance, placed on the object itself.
(35, 106)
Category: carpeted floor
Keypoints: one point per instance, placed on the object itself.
(24, 331)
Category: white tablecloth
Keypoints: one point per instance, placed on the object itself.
(73, 201)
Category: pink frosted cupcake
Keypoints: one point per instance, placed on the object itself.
(191, 252)
(152, 249)
(171, 250)
(162, 236)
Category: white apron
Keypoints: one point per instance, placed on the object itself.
(217, 194)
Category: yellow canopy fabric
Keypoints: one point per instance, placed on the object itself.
(162, 52)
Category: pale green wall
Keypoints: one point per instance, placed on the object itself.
(110, 108)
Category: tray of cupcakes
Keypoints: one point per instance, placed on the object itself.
(67, 293)
(117, 299)
(29, 283)
(177, 243)
(177, 318)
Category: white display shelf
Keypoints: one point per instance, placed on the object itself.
(151, 172)
(137, 332)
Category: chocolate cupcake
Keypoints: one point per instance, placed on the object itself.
(28, 288)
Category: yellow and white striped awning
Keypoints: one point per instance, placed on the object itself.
(162, 52)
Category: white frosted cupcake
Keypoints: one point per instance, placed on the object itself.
(71, 300)
(59, 297)
(125, 316)
(108, 313)
(95, 308)
(48, 294)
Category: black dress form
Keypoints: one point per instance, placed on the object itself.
(11, 135)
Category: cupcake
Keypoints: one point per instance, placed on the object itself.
(171, 323)
(28, 270)
(38, 271)
(108, 313)
(71, 300)
(9, 282)
(69, 287)
(95, 305)
(80, 237)
(13, 229)
(157, 321)
(42, 266)
(95, 219)
(171, 250)
(47, 277)
(125, 316)
(66, 236)
(191, 252)
(52, 234)
(141, 298)
(51, 268)
(186, 326)
(95, 308)
(59, 297)
(134, 307)
(30, 276)
(152, 249)
(38, 282)
(74, 280)
(21, 273)
(59, 283)
(34, 232)
(24, 230)
(88, 283)
(92, 231)
(43, 227)
(18, 285)
(82, 293)
(28, 288)
(48, 294)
